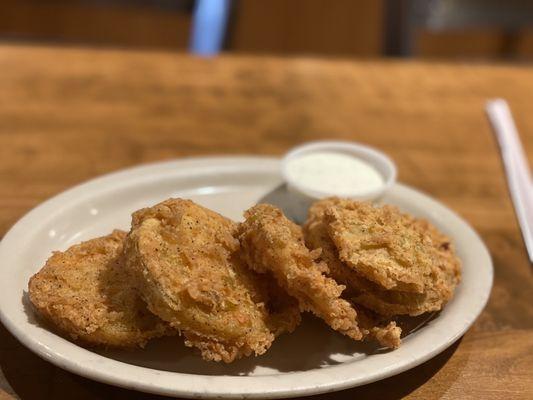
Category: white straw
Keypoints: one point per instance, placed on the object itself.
(516, 167)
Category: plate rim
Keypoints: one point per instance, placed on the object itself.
(107, 182)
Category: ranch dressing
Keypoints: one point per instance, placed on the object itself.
(334, 173)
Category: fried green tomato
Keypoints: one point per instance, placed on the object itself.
(373, 327)
(85, 292)
(273, 244)
(390, 262)
(185, 258)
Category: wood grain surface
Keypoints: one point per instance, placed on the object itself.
(67, 115)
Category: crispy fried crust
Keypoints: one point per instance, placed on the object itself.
(391, 263)
(272, 243)
(378, 328)
(358, 288)
(283, 310)
(372, 326)
(85, 292)
(185, 259)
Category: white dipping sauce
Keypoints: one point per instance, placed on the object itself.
(335, 173)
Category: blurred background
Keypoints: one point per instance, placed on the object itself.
(441, 29)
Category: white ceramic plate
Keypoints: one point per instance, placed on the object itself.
(312, 360)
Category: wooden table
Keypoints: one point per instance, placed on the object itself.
(67, 115)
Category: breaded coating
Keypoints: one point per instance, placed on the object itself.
(378, 328)
(85, 292)
(284, 310)
(283, 316)
(372, 326)
(272, 243)
(395, 250)
(185, 259)
(358, 288)
(391, 262)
